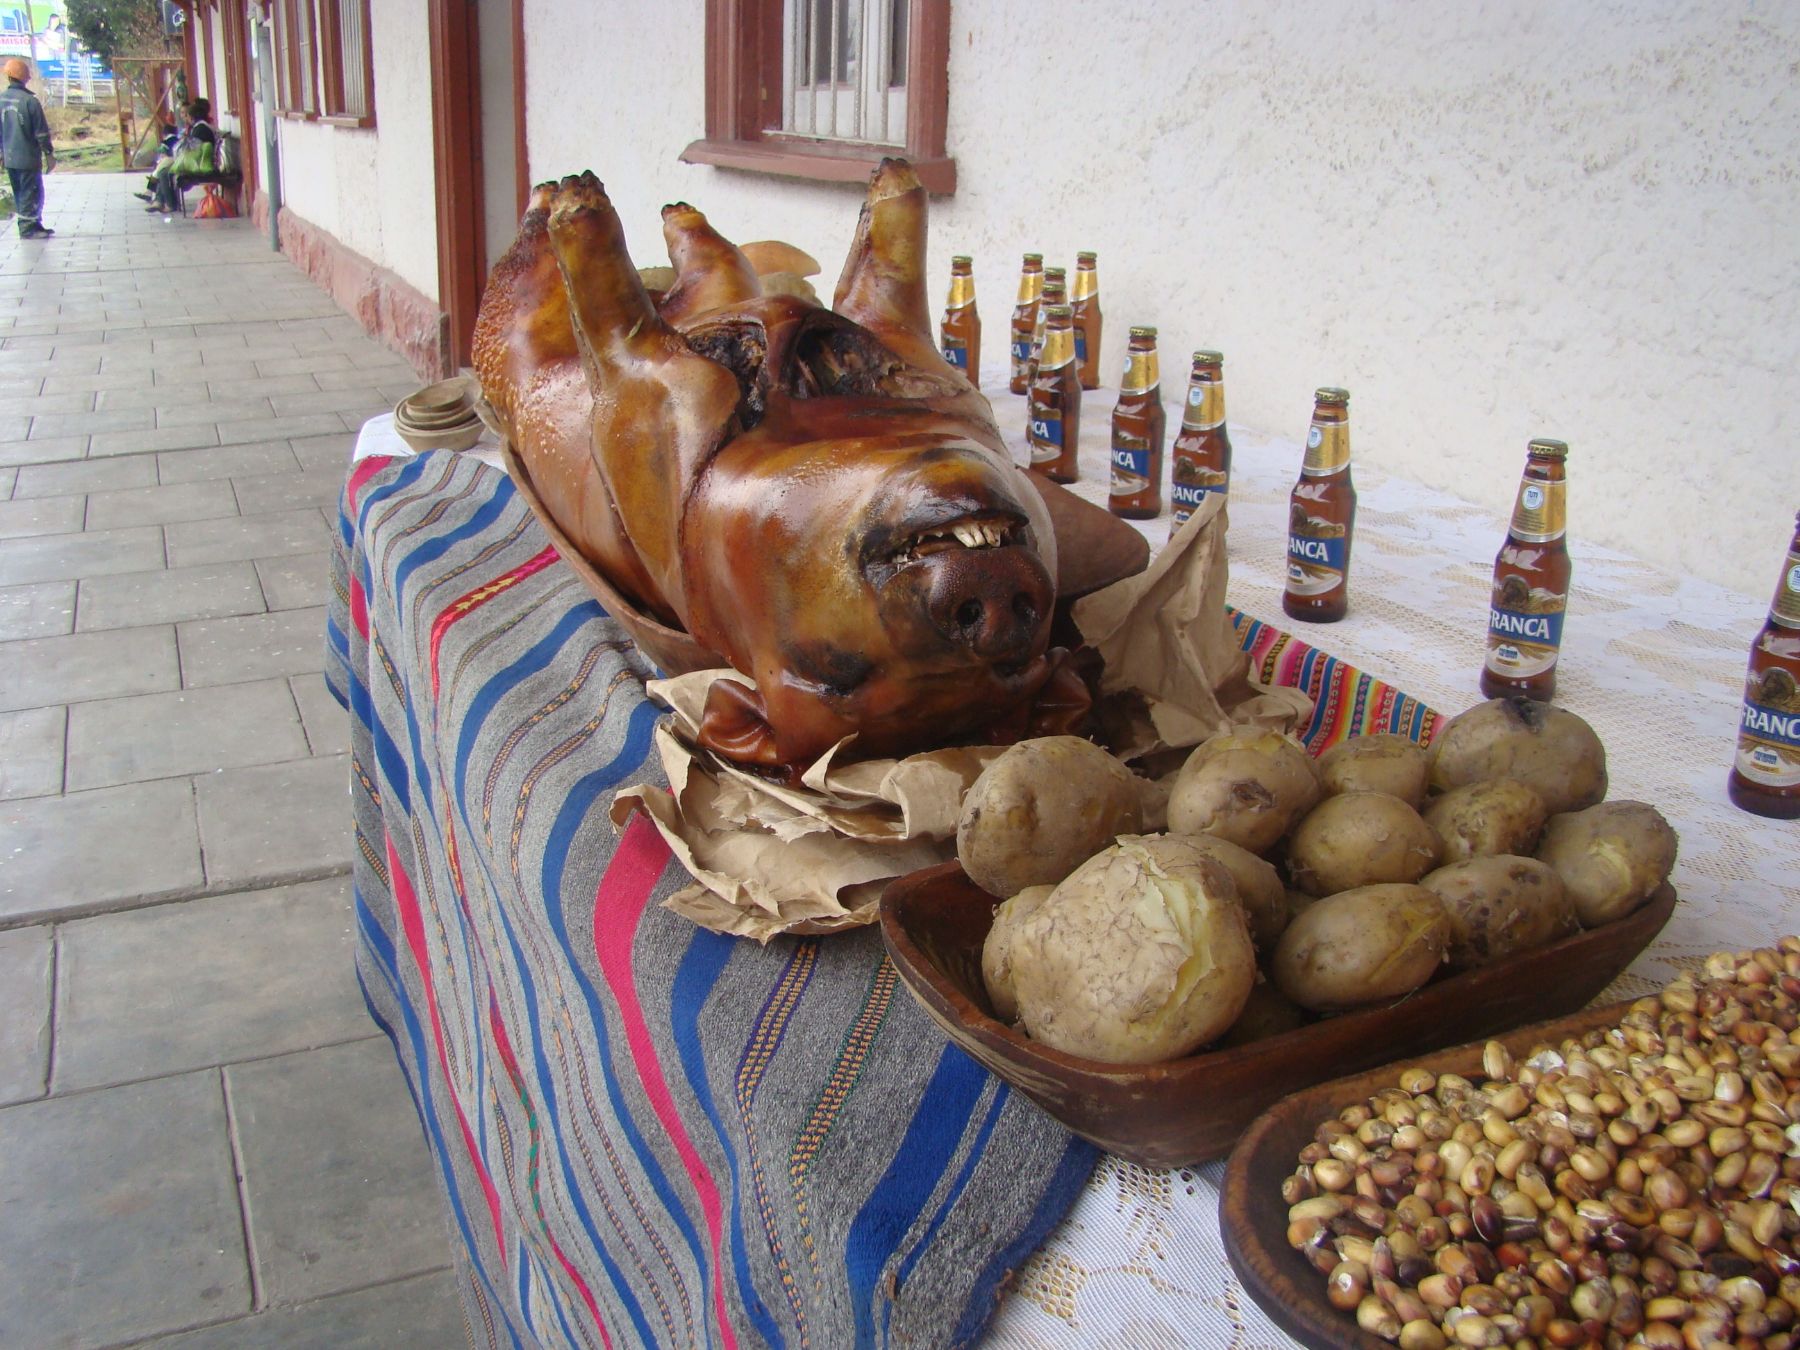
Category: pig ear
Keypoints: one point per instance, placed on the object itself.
(735, 725)
(883, 285)
(709, 269)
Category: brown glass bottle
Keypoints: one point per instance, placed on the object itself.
(1202, 452)
(1084, 300)
(1053, 428)
(1138, 424)
(1531, 583)
(1765, 778)
(1322, 517)
(1024, 318)
(961, 332)
(1055, 293)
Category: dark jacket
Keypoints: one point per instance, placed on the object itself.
(24, 131)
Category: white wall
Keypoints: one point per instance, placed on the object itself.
(1488, 220)
(499, 153)
(374, 189)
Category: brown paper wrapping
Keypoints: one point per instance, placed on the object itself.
(768, 858)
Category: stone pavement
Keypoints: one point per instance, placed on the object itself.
(204, 1141)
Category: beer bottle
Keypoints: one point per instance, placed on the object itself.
(1054, 431)
(1322, 517)
(1024, 319)
(1766, 777)
(1055, 293)
(961, 332)
(1202, 452)
(1085, 301)
(1531, 584)
(1138, 423)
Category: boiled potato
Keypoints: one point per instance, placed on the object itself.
(1500, 815)
(1367, 945)
(1384, 762)
(1500, 905)
(1040, 810)
(1359, 839)
(1259, 887)
(1247, 787)
(1142, 953)
(1267, 1013)
(1546, 748)
(996, 949)
(1610, 857)
(1153, 802)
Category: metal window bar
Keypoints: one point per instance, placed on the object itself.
(852, 57)
(353, 17)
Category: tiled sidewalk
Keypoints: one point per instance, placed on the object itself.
(204, 1141)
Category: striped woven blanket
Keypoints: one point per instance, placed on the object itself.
(648, 1134)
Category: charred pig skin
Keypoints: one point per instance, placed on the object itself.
(813, 493)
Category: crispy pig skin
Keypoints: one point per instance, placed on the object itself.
(815, 494)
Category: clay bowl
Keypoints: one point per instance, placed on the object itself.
(446, 396)
(459, 436)
(1253, 1216)
(1182, 1111)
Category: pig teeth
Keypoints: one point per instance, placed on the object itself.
(969, 536)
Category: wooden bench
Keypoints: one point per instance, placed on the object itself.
(228, 173)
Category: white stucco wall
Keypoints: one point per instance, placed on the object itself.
(373, 189)
(1488, 220)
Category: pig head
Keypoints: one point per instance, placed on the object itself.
(813, 494)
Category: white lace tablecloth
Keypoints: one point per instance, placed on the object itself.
(1653, 660)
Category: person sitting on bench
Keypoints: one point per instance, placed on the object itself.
(200, 132)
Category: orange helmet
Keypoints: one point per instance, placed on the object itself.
(16, 69)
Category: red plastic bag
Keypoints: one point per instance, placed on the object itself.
(213, 205)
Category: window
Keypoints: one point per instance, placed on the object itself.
(322, 64)
(348, 82)
(825, 88)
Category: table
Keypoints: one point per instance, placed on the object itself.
(1653, 660)
(1137, 1260)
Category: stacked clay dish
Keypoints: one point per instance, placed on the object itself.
(1256, 888)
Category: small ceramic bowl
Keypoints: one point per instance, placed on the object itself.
(458, 436)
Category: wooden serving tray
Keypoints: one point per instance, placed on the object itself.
(1253, 1216)
(1182, 1111)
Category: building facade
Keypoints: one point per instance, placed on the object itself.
(1488, 221)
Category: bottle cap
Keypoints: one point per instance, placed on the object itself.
(1143, 331)
(961, 260)
(1332, 396)
(1056, 274)
(1058, 312)
(1085, 257)
(1545, 448)
(1208, 359)
(1031, 258)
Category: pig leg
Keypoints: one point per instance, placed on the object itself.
(709, 270)
(662, 411)
(883, 282)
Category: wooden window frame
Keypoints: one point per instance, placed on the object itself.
(291, 73)
(744, 98)
(332, 109)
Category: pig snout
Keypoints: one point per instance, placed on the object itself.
(996, 603)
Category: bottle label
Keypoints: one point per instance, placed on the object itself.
(1316, 561)
(1080, 345)
(1021, 356)
(1045, 434)
(962, 292)
(1768, 748)
(1185, 498)
(1540, 513)
(956, 353)
(1058, 350)
(1031, 287)
(1327, 449)
(1141, 374)
(1205, 406)
(1786, 608)
(1087, 283)
(1130, 464)
(1525, 626)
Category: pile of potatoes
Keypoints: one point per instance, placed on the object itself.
(1256, 887)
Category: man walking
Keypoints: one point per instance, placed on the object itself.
(25, 145)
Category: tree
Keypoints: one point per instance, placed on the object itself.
(117, 27)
